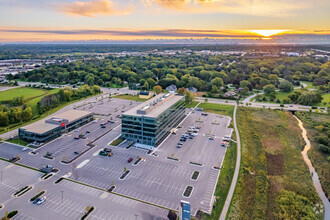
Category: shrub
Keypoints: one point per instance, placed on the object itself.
(12, 214)
(323, 148)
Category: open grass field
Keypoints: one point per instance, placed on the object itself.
(33, 103)
(130, 97)
(318, 158)
(274, 182)
(217, 108)
(28, 93)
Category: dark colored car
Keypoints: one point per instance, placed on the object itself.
(107, 149)
(76, 138)
(130, 159)
(87, 132)
(36, 200)
(76, 152)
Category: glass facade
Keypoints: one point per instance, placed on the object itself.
(152, 131)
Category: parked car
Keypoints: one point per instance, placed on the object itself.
(183, 139)
(103, 126)
(103, 153)
(25, 149)
(205, 114)
(77, 137)
(179, 146)
(87, 132)
(180, 143)
(76, 152)
(107, 149)
(41, 200)
(211, 138)
(130, 159)
(36, 200)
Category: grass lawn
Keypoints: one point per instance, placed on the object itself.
(17, 141)
(130, 97)
(27, 92)
(271, 168)
(192, 105)
(224, 181)
(33, 103)
(326, 100)
(117, 141)
(309, 85)
(218, 108)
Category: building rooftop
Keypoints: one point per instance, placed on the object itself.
(42, 126)
(155, 106)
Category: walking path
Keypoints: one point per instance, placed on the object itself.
(235, 177)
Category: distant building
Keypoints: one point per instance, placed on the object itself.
(51, 128)
(192, 89)
(230, 94)
(292, 54)
(145, 95)
(172, 88)
(149, 123)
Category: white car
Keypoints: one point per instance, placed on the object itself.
(41, 200)
(25, 149)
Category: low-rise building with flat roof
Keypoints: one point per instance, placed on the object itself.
(55, 126)
(150, 122)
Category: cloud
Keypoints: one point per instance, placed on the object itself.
(274, 8)
(93, 8)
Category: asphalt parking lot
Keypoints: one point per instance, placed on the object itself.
(72, 204)
(159, 180)
(156, 179)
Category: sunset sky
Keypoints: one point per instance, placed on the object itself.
(284, 21)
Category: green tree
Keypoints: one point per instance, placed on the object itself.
(285, 86)
(181, 91)
(27, 114)
(189, 97)
(269, 89)
(218, 82)
(309, 98)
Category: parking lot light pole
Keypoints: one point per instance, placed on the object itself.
(62, 195)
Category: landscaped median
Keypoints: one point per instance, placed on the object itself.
(10, 215)
(88, 210)
(22, 191)
(37, 196)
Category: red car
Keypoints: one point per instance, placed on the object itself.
(130, 160)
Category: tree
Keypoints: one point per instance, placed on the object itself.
(214, 89)
(269, 89)
(189, 97)
(172, 215)
(181, 91)
(309, 98)
(157, 89)
(285, 86)
(217, 81)
(146, 85)
(264, 82)
(4, 119)
(286, 101)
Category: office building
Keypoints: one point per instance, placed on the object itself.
(150, 122)
(53, 127)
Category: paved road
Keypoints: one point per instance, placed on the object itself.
(292, 107)
(235, 177)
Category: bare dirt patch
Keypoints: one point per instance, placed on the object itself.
(275, 164)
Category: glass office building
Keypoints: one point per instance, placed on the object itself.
(151, 122)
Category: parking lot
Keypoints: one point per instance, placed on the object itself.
(162, 181)
(72, 204)
(155, 179)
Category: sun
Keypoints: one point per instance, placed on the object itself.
(267, 33)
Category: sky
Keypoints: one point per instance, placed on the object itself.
(219, 21)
